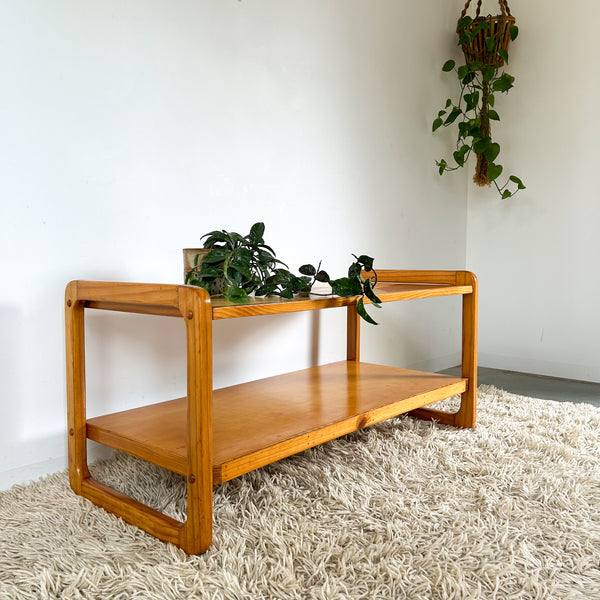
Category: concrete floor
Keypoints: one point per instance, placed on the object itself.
(537, 386)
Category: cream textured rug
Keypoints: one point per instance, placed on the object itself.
(404, 509)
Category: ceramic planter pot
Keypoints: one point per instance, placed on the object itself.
(189, 257)
(190, 261)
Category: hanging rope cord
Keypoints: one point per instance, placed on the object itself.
(503, 8)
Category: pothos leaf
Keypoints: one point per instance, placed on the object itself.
(370, 294)
(480, 146)
(362, 311)
(345, 287)
(463, 129)
(459, 155)
(492, 152)
(454, 114)
(488, 73)
(468, 78)
(256, 233)
(516, 180)
(237, 295)
(503, 83)
(490, 43)
(482, 25)
(354, 271)
(503, 53)
(493, 171)
(215, 237)
(471, 100)
(366, 262)
(207, 270)
(464, 22)
(265, 290)
(215, 256)
(307, 270)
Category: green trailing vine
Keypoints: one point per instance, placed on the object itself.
(355, 284)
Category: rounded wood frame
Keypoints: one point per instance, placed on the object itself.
(192, 450)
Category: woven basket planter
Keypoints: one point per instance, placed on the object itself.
(475, 50)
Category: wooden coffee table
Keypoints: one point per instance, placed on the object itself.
(256, 423)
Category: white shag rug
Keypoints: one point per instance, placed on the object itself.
(404, 509)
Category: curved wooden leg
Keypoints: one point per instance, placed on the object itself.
(195, 535)
(467, 413)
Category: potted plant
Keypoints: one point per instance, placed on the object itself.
(236, 266)
(484, 41)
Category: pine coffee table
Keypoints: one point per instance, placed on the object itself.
(211, 436)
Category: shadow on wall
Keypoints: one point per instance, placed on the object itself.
(19, 452)
(12, 399)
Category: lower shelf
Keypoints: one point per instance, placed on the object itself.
(257, 423)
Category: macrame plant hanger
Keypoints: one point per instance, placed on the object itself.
(476, 51)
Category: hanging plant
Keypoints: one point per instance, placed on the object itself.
(484, 42)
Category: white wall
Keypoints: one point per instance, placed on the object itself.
(536, 255)
(131, 128)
